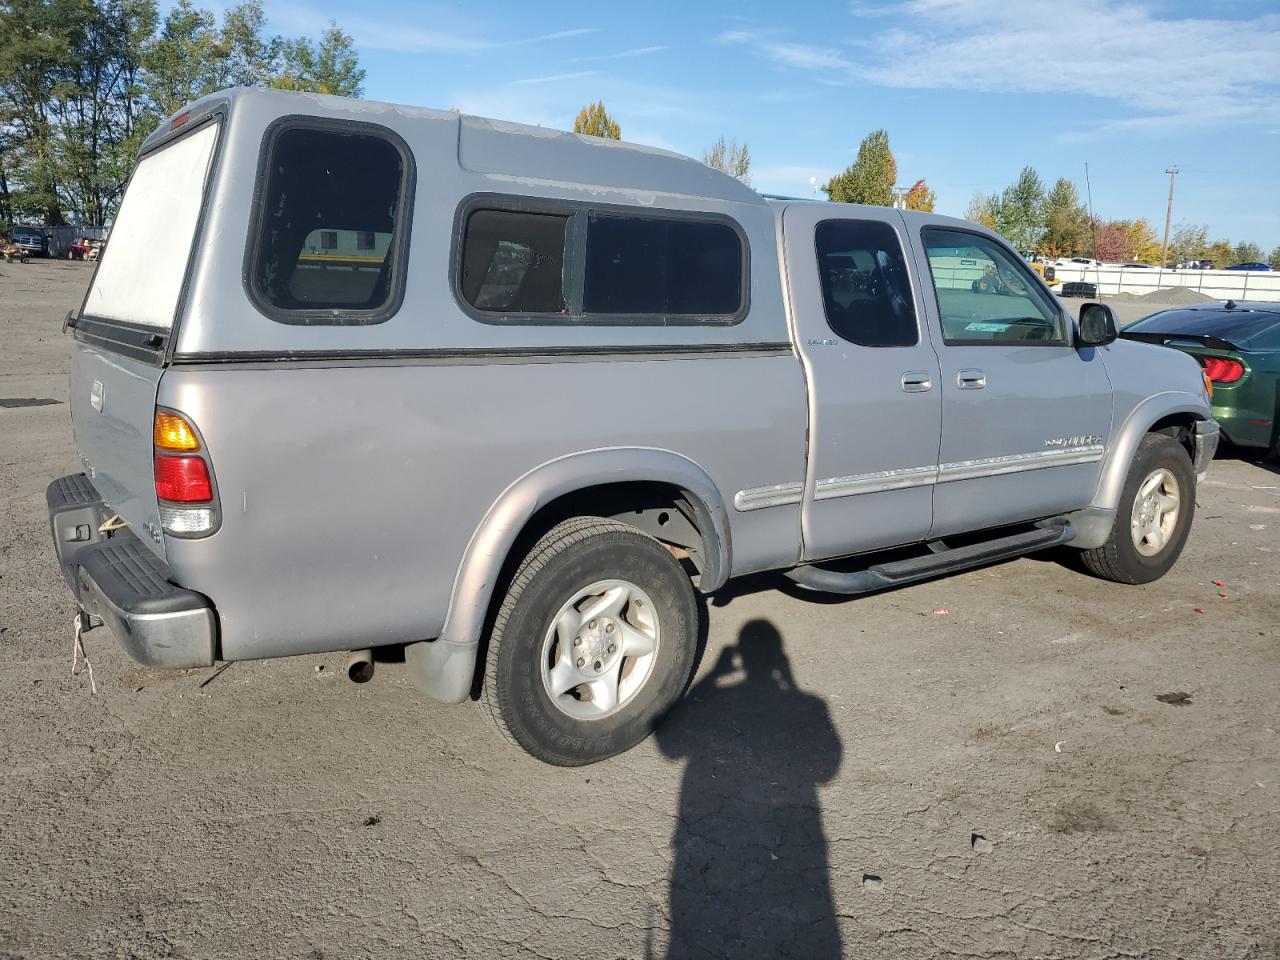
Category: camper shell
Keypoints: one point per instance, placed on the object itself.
(347, 370)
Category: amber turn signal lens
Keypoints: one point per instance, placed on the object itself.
(1208, 384)
(174, 433)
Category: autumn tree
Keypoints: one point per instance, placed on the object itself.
(920, 197)
(1066, 222)
(729, 158)
(1143, 245)
(594, 122)
(1111, 241)
(1220, 252)
(1019, 213)
(870, 178)
(982, 210)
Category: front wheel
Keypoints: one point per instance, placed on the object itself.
(1153, 518)
(594, 642)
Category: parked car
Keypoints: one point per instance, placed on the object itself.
(1136, 266)
(34, 240)
(84, 248)
(573, 382)
(1076, 261)
(1259, 267)
(1238, 344)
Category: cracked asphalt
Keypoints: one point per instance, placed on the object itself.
(1017, 762)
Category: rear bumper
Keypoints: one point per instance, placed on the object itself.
(116, 578)
(1206, 446)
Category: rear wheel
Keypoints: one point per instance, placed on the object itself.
(593, 644)
(1153, 518)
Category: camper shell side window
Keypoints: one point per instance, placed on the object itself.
(329, 236)
(528, 260)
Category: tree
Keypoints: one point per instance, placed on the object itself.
(920, 197)
(1019, 214)
(70, 103)
(82, 83)
(1274, 259)
(1188, 242)
(982, 209)
(1246, 252)
(331, 67)
(1220, 252)
(870, 178)
(1143, 246)
(1066, 222)
(1111, 241)
(594, 122)
(729, 158)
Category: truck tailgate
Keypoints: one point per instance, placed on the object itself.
(113, 402)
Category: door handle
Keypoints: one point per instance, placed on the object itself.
(917, 381)
(971, 379)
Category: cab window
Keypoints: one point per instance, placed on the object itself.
(986, 295)
(865, 289)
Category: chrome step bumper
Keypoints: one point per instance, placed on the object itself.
(119, 580)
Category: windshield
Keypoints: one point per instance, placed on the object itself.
(141, 272)
(1230, 325)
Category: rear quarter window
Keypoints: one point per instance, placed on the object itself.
(332, 229)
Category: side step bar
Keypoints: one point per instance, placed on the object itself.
(939, 562)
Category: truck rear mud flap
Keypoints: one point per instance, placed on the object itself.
(116, 578)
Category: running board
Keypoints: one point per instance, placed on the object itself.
(939, 562)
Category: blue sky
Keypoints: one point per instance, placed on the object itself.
(969, 90)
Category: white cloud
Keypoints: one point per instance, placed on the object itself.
(456, 36)
(576, 75)
(1166, 73)
(620, 55)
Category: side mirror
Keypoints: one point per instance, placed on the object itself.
(1097, 325)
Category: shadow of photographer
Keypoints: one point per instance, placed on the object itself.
(751, 876)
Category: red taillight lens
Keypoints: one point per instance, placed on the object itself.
(1223, 369)
(183, 480)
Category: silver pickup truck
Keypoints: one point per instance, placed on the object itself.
(353, 375)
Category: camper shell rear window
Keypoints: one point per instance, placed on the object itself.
(525, 260)
(330, 232)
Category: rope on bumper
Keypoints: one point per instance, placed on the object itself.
(78, 651)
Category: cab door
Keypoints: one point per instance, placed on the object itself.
(1026, 417)
(875, 408)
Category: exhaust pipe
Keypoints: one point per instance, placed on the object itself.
(360, 666)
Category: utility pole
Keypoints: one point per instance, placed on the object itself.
(1168, 214)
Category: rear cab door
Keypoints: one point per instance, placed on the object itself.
(124, 327)
(1026, 416)
(874, 404)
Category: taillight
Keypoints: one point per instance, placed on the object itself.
(1223, 369)
(184, 481)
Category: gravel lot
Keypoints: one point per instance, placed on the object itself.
(1020, 761)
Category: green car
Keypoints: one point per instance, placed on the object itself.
(1238, 344)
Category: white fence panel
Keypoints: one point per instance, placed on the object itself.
(1219, 284)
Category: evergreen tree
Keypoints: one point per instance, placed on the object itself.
(870, 178)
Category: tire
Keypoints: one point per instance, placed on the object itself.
(541, 642)
(1145, 540)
